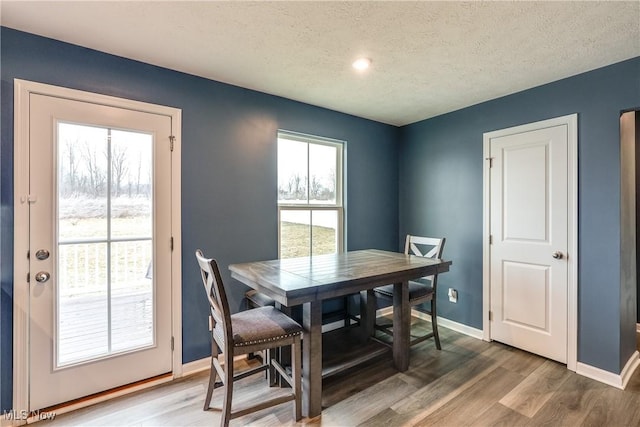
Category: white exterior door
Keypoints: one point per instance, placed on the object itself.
(529, 239)
(99, 248)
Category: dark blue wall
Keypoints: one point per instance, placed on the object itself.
(441, 194)
(228, 167)
(429, 184)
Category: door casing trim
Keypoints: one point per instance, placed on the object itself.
(22, 90)
(571, 121)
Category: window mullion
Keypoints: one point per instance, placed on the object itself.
(308, 199)
(109, 245)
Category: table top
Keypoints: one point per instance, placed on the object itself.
(295, 281)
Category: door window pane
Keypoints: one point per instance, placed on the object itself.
(105, 290)
(131, 189)
(83, 303)
(131, 295)
(82, 181)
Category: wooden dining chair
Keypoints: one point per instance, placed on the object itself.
(420, 291)
(263, 328)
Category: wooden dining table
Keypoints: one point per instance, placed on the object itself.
(308, 281)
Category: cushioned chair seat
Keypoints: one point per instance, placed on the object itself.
(260, 325)
(417, 289)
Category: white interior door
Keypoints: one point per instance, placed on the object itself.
(529, 240)
(99, 248)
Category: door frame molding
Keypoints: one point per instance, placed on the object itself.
(22, 90)
(571, 121)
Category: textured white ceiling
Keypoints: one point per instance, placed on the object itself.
(428, 57)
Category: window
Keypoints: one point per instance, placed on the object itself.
(310, 206)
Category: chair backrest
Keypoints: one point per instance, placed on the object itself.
(218, 304)
(428, 247)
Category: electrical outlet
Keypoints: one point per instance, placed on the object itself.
(453, 295)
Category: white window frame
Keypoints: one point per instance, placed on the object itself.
(338, 206)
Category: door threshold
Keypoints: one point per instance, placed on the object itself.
(72, 405)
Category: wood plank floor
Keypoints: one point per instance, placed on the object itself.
(468, 383)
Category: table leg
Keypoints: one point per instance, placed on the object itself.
(312, 359)
(367, 313)
(284, 353)
(401, 325)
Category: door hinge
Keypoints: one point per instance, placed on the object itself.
(490, 161)
(491, 239)
(28, 277)
(490, 315)
(172, 343)
(171, 243)
(172, 140)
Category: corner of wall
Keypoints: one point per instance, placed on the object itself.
(615, 380)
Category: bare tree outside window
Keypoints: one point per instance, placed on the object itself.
(96, 181)
(119, 167)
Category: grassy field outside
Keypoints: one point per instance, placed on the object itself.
(295, 240)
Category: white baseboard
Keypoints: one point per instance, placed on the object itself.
(196, 366)
(6, 422)
(204, 364)
(615, 380)
(459, 327)
(630, 368)
(446, 323)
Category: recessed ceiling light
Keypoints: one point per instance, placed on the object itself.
(361, 64)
